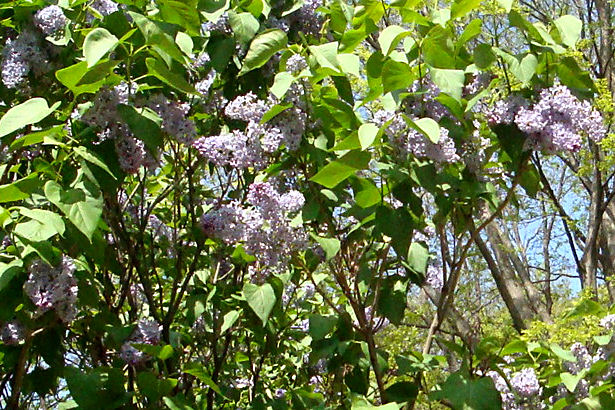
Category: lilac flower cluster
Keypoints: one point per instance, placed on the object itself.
(146, 332)
(608, 322)
(22, 55)
(50, 20)
(221, 25)
(174, 118)
(103, 115)
(104, 7)
(306, 19)
(53, 288)
(409, 141)
(434, 278)
(526, 390)
(424, 104)
(265, 228)
(479, 82)
(295, 64)
(504, 111)
(248, 148)
(12, 333)
(555, 124)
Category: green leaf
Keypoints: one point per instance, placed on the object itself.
(483, 56)
(569, 28)
(396, 76)
(367, 135)
(89, 156)
(244, 25)
(320, 326)
(448, 81)
(45, 217)
(97, 43)
(418, 257)
(176, 403)
(402, 392)
(79, 79)
(184, 13)
(331, 246)
(571, 380)
(462, 7)
(366, 193)
(562, 353)
(585, 307)
(523, 68)
(79, 204)
(27, 113)
(326, 55)
(20, 189)
(427, 127)
(390, 37)
(337, 171)
(262, 48)
(159, 37)
(281, 83)
(275, 110)
(506, 4)
(159, 70)
(361, 403)
(229, 320)
(144, 124)
(8, 272)
(200, 373)
(465, 393)
(261, 299)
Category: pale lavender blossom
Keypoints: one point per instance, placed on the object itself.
(246, 108)
(50, 20)
(147, 331)
(434, 277)
(221, 25)
(525, 383)
(424, 104)
(12, 333)
(53, 288)
(504, 111)
(608, 322)
(557, 122)
(237, 149)
(296, 63)
(131, 153)
(104, 7)
(175, 121)
(20, 56)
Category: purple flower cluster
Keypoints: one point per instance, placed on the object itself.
(424, 104)
(174, 118)
(146, 332)
(306, 19)
(12, 333)
(221, 25)
(249, 147)
(295, 64)
(504, 111)
(608, 322)
(104, 7)
(526, 389)
(434, 277)
(264, 228)
(22, 55)
(53, 288)
(407, 140)
(50, 20)
(555, 124)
